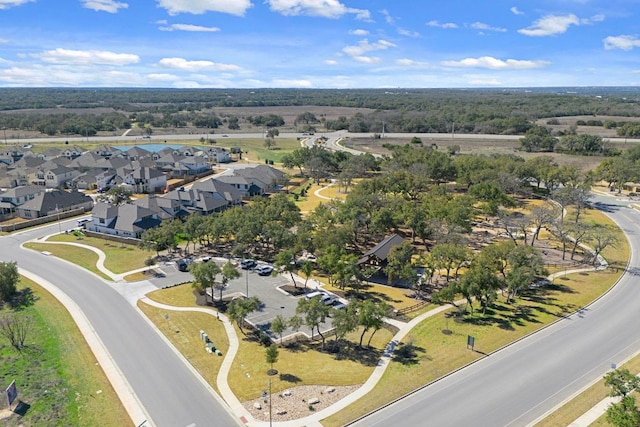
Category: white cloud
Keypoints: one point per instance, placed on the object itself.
(189, 27)
(359, 32)
(331, 62)
(86, 57)
(495, 64)
(594, 18)
(162, 77)
(292, 83)
(516, 11)
(624, 42)
(387, 17)
(486, 27)
(6, 4)
(367, 59)
(185, 65)
(364, 46)
(111, 6)
(436, 24)
(411, 63)
(2, 41)
(550, 25)
(323, 8)
(408, 33)
(198, 7)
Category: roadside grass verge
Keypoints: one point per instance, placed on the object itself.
(57, 374)
(178, 296)
(585, 401)
(432, 354)
(81, 257)
(120, 257)
(182, 329)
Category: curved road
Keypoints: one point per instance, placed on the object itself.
(519, 384)
(170, 392)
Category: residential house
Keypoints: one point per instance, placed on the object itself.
(164, 208)
(72, 152)
(136, 153)
(107, 151)
(86, 161)
(53, 202)
(220, 190)
(128, 220)
(145, 180)
(59, 176)
(246, 187)
(14, 197)
(217, 154)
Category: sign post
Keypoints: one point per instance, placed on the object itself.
(470, 341)
(11, 393)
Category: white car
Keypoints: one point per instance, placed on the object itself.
(264, 269)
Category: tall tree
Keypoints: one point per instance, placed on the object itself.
(205, 274)
(240, 308)
(315, 313)
(399, 264)
(278, 326)
(344, 321)
(9, 278)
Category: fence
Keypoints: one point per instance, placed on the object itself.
(39, 221)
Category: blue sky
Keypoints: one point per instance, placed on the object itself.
(319, 43)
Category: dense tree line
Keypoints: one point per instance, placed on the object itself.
(415, 110)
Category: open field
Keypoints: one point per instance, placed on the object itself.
(80, 256)
(57, 375)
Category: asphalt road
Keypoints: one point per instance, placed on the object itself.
(519, 384)
(170, 392)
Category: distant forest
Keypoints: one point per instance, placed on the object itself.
(55, 111)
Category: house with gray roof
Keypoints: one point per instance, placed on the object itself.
(145, 180)
(53, 202)
(128, 220)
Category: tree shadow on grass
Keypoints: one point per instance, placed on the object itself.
(409, 354)
(290, 378)
(347, 350)
(22, 299)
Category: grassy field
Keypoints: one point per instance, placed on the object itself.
(183, 330)
(82, 257)
(120, 258)
(57, 375)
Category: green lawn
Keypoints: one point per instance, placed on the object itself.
(120, 257)
(82, 257)
(183, 330)
(57, 375)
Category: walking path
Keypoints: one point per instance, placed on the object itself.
(133, 292)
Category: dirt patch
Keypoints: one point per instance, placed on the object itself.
(294, 403)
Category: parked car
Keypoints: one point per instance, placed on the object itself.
(205, 259)
(264, 269)
(316, 294)
(247, 264)
(182, 265)
(328, 299)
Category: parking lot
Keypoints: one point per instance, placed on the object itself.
(275, 301)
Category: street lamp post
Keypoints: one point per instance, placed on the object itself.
(246, 276)
(270, 373)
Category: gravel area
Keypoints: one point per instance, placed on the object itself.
(293, 403)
